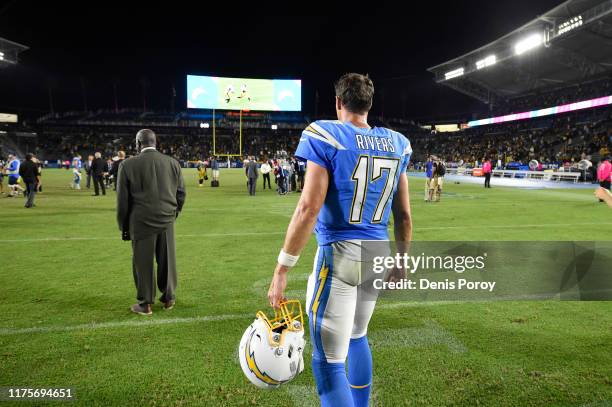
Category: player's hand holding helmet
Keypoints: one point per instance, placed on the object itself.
(271, 351)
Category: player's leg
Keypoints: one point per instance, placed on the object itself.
(19, 188)
(359, 356)
(434, 189)
(427, 189)
(331, 307)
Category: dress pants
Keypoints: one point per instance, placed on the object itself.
(252, 185)
(160, 247)
(30, 193)
(99, 183)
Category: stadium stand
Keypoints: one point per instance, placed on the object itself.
(566, 138)
(560, 58)
(558, 70)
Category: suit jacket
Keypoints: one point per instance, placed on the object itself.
(150, 193)
(251, 170)
(28, 170)
(98, 167)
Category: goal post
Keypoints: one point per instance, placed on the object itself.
(215, 139)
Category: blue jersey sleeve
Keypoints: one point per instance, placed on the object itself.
(316, 146)
(407, 154)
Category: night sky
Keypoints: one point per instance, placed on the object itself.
(82, 51)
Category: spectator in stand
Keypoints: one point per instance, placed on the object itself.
(486, 170)
(28, 171)
(604, 174)
(98, 171)
(265, 171)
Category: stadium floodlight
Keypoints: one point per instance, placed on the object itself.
(9, 52)
(275, 127)
(529, 42)
(569, 25)
(204, 125)
(453, 74)
(488, 61)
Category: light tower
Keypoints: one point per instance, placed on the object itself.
(9, 52)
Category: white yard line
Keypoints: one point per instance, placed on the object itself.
(61, 239)
(144, 321)
(238, 234)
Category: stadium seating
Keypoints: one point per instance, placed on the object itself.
(555, 141)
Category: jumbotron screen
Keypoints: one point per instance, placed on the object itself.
(213, 92)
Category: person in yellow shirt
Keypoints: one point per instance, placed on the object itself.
(202, 173)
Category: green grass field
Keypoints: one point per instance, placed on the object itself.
(67, 286)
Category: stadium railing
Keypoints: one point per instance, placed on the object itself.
(535, 175)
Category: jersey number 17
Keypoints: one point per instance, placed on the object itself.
(363, 178)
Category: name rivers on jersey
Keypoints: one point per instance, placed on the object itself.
(374, 143)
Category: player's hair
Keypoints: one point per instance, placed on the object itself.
(355, 92)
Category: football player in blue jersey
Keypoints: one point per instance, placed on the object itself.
(356, 178)
(76, 172)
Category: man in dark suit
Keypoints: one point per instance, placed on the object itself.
(98, 169)
(252, 173)
(87, 166)
(150, 195)
(28, 171)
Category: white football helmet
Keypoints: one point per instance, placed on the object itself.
(271, 351)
